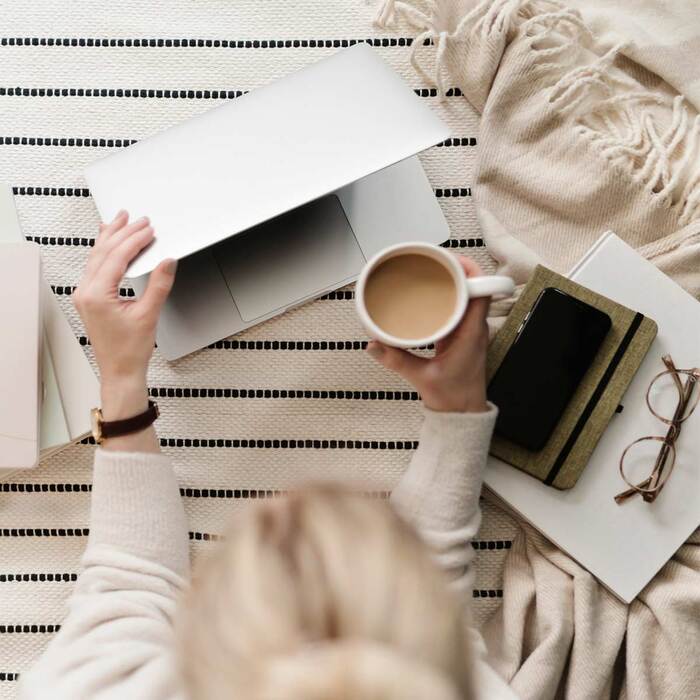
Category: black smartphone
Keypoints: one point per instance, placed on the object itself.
(554, 347)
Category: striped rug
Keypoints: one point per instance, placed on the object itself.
(295, 397)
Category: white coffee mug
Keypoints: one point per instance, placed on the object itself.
(465, 287)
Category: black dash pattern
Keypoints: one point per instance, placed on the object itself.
(344, 295)
(32, 191)
(341, 394)
(78, 142)
(99, 42)
(157, 93)
(281, 444)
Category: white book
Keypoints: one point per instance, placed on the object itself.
(54, 429)
(624, 545)
(21, 334)
(70, 388)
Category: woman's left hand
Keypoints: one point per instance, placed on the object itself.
(122, 332)
(454, 380)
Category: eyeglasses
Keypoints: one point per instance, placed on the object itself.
(659, 404)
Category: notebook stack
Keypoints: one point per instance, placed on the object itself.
(569, 448)
(623, 545)
(48, 386)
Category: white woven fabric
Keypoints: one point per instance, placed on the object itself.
(43, 516)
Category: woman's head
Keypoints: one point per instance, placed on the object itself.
(324, 594)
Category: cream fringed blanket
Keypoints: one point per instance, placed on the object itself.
(561, 634)
(581, 133)
(575, 137)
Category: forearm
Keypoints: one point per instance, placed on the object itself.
(118, 638)
(439, 493)
(137, 508)
(136, 504)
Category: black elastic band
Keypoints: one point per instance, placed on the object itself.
(595, 397)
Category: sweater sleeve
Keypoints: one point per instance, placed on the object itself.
(118, 640)
(439, 496)
(439, 493)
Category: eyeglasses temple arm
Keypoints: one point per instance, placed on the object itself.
(686, 391)
(631, 492)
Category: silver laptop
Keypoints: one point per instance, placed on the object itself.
(278, 196)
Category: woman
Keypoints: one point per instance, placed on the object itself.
(323, 594)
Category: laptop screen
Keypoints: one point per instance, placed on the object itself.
(290, 258)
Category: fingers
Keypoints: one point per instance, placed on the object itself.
(478, 308)
(159, 285)
(96, 255)
(114, 225)
(477, 312)
(107, 229)
(117, 260)
(470, 267)
(114, 240)
(473, 322)
(409, 366)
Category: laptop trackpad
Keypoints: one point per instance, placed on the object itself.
(290, 258)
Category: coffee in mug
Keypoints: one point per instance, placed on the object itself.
(414, 294)
(410, 296)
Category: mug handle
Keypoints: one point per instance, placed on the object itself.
(490, 285)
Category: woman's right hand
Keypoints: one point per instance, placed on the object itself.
(454, 379)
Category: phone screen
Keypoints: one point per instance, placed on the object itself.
(552, 351)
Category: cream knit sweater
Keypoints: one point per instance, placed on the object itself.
(117, 642)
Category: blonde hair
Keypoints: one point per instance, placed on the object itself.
(323, 595)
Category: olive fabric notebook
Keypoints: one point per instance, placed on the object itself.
(564, 457)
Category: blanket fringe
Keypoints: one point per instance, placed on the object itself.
(425, 23)
(487, 18)
(626, 125)
(666, 161)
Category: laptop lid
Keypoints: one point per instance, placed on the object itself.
(265, 153)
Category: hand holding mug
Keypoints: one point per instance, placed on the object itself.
(455, 378)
